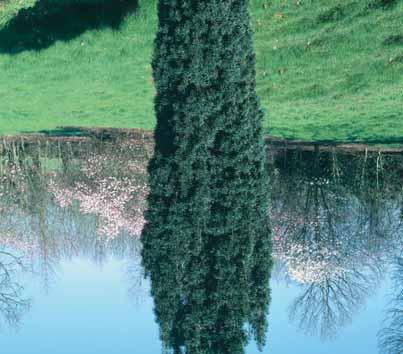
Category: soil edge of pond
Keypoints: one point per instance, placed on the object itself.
(79, 134)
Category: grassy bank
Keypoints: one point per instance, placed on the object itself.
(328, 72)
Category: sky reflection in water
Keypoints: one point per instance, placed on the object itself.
(71, 279)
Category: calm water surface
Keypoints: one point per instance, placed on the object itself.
(71, 276)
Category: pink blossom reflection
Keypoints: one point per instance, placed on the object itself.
(112, 187)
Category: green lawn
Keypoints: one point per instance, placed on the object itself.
(328, 72)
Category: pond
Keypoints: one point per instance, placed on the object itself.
(72, 279)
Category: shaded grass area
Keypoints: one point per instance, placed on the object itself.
(10, 8)
(101, 77)
(43, 24)
(328, 72)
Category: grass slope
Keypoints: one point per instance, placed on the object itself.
(328, 72)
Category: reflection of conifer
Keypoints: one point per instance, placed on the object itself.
(206, 243)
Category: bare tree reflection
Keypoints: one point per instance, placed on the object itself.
(43, 220)
(139, 288)
(13, 304)
(73, 198)
(327, 306)
(335, 220)
(391, 336)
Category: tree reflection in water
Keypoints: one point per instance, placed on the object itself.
(13, 303)
(336, 221)
(391, 336)
(207, 243)
(53, 208)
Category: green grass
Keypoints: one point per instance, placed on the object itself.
(10, 8)
(328, 72)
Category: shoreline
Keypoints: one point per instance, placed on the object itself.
(81, 134)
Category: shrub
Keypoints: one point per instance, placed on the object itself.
(207, 208)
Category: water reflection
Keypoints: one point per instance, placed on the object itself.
(391, 335)
(13, 301)
(61, 200)
(207, 244)
(336, 219)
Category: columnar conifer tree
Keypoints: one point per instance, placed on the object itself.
(206, 244)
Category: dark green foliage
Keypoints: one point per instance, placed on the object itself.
(209, 257)
(206, 244)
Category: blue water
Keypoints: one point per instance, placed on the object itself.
(72, 281)
(89, 309)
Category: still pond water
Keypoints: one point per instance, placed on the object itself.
(71, 277)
